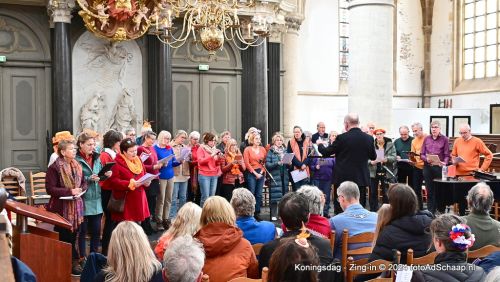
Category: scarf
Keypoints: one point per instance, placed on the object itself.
(279, 150)
(235, 169)
(296, 151)
(110, 152)
(71, 175)
(210, 150)
(135, 165)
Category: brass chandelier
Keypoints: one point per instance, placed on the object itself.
(211, 22)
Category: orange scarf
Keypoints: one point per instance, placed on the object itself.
(235, 169)
(296, 151)
(135, 165)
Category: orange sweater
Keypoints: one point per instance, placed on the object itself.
(254, 161)
(469, 151)
(416, 147)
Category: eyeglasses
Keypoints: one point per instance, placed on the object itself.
(379, 134)
(371, 127)
(464, 132)
(434, 126)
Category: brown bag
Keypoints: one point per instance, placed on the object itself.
(116, 205)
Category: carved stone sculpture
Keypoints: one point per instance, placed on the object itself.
(124, 114)
(90, 114)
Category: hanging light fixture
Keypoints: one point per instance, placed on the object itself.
(211, 22)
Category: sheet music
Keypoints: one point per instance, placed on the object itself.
(144, 156)
(287, 158)
(165, 160)
(380, 155)
(73, 197)
(298, 175)
(433, 159)
(146, 177)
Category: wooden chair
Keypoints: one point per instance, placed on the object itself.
(12, 186)
(265, 274)
(360, 238)
(257, 247)
(373, 267)
(495, 210)
(38, 191)
(482, 252)
(427, 259)
(332, 241)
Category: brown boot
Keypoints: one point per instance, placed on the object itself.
(76, 268)
(166, 224)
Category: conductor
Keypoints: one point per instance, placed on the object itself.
(352, 151)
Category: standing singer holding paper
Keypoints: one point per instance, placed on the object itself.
(65, 178)
(469, 148)
(434, 144)
(255, 158)
(299, 146)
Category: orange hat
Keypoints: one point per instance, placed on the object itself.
(90, 132)
(379, 130)
(62, 135)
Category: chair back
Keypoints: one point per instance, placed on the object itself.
(257, 247)
(482, 252)
(265, 274)
(12, 186)
(427, 259)
(374, 267)
(38, 189)
(332, 241)
(366, 237)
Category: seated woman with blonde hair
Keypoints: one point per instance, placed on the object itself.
(187, 222)
(228, 254)
(130, 257)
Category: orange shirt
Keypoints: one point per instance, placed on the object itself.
(416, 147)
(470, 150)
(254, 161)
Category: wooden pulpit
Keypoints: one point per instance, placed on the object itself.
(40, 249)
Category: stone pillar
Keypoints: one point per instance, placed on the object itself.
(62, 100)
(371, 24)
(290, 64)
(254, 98)
(274, 88)
(427, 12)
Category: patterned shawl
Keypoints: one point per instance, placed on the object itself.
(71, 176)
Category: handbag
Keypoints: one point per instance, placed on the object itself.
(116, 205)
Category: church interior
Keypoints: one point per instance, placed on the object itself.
(226, 66)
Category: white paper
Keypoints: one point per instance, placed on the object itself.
(144, 156)
(459, 160)
(433, 159)
(287, 158)
(72, 197)
(380, 155)
(404, 275)
(316, 151)
(298, 175)
(184, 154)
(146, 177)
(404, 160)
(165, 160)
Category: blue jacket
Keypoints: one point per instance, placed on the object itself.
(325, 171)
(167, 171)
(91, 198)
(22, 272)
(357, 220)
(280, 175)
(255, 231)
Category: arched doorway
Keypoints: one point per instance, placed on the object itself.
(206, 100)
(24, 92)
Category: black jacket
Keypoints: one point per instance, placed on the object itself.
(352, 151)
(459, 270)
(408, 232)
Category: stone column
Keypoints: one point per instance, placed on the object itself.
(62, 100)
(290, 64)
(254, 94)
(274, 88)
(371, 60)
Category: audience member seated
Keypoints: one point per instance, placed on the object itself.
(490, 262)
(294, 212)
(487, 230)
(406, 228)
(383, 218)
(228, 254)
(187, 222)
(493, 275)
(243, 202)
(130, 257)
(183, 260)
(290, 253)
(451, 238)
(355, 218)
(317, 224)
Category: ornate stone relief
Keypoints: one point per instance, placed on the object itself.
(13, 38)
(92, 112)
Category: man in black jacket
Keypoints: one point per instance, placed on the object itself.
(352, 151)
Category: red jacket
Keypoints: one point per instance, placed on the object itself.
(136, 205)
(151, 161)
(105, 158)
(207, 165)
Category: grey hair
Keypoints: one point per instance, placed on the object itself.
(313, 196)
(404, 127)
(184, 259)
(243, 202)
(436, 122)
(179, 133)
(493, 275)
(480, 198)
(417, 124)
(128, 130)
(351, 119)
(349, 190)
(194, 134)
